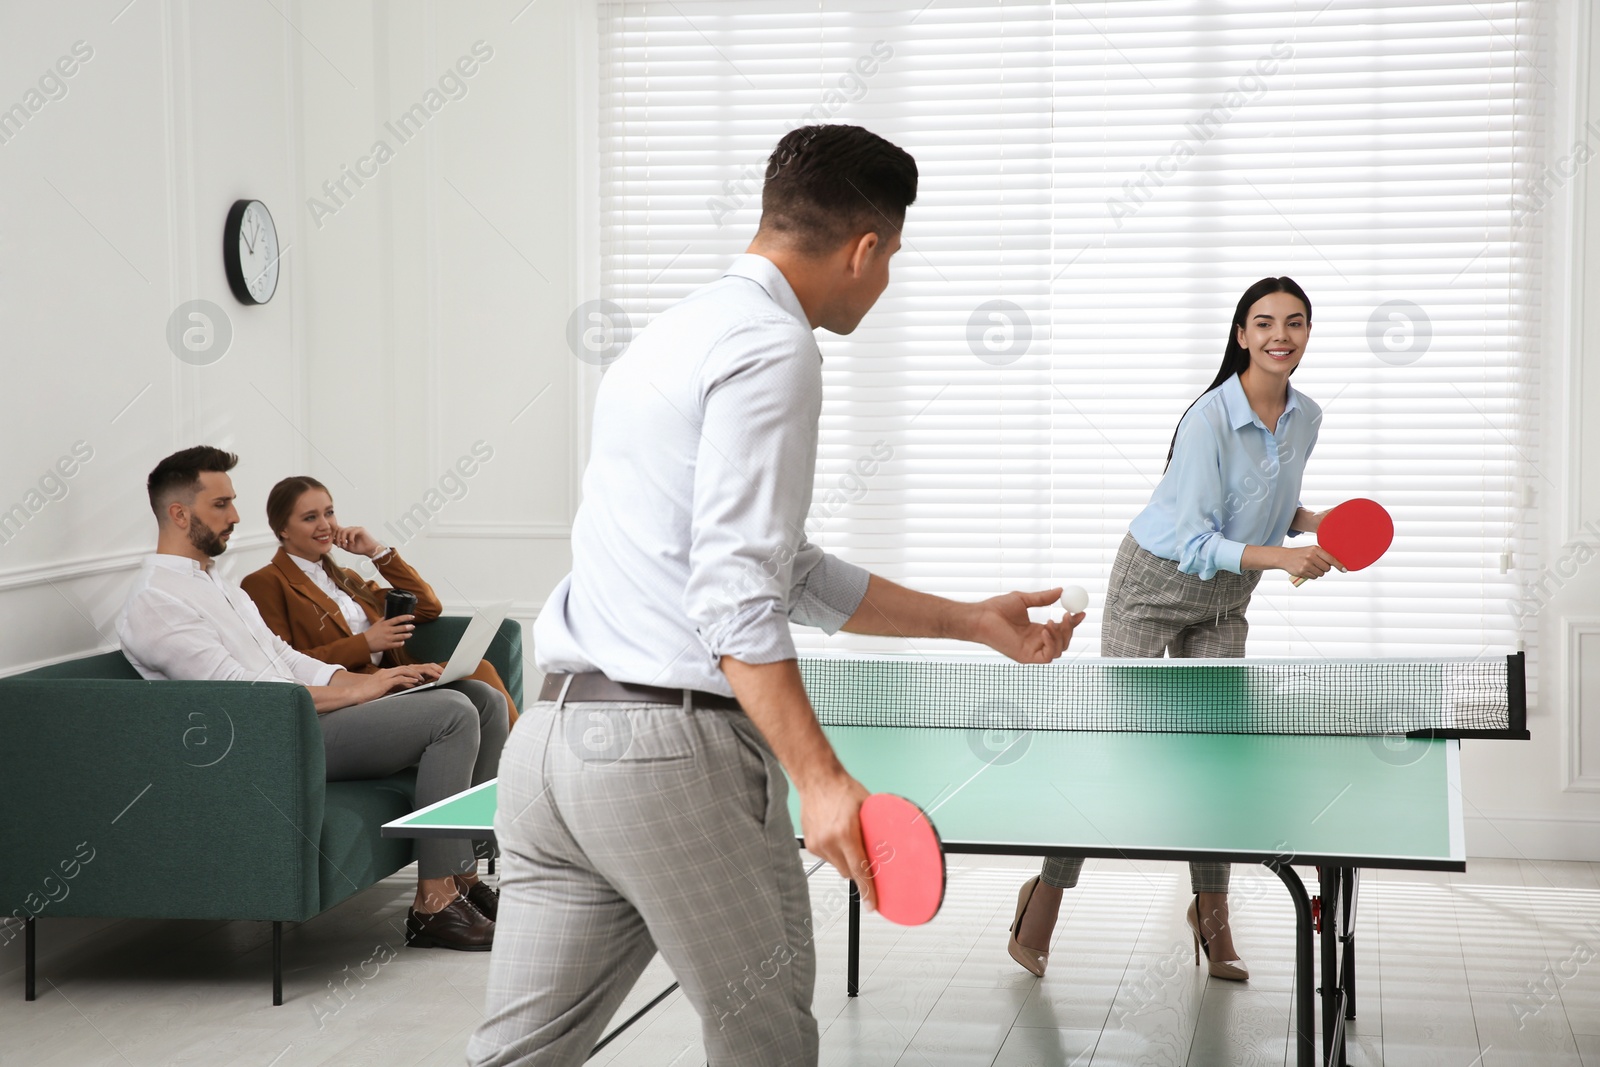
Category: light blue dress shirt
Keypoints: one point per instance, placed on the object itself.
(690, 543)
(1232, 481)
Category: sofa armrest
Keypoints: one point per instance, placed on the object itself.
(198, 800)
(434, 641)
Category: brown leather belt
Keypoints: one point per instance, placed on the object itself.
(594, 686)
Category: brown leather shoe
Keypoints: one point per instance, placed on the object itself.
(485, 898)
(458, 925)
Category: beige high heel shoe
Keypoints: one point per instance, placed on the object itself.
(1032, 960)
(1232, 970)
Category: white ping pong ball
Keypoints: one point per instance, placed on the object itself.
(1074, 598)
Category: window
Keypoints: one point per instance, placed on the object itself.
(1099, 183)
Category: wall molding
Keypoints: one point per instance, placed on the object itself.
(1574, 246)
(71, 570)
(524, 611)
(521, 610)
(586, 278)
(570, 379)
(14, 669)
(536, 531)
(1575, 778)
(103, 563)
(1533, 835)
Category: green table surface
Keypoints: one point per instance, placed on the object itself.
(1350, 801)
(1237, 796)
(469, 810)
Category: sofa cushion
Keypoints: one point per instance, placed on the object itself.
(354, 856)
(112, 666)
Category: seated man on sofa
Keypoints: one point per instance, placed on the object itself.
(184, 621)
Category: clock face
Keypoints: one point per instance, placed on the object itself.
(253, 259)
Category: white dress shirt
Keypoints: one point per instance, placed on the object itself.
(184, 622)
(355, 616)
(690, 542)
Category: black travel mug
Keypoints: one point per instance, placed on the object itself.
(399, 602)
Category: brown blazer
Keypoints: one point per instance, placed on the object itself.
(309, 621)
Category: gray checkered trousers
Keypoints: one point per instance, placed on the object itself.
(1153, 608)
(630, 829)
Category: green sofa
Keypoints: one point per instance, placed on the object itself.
(190, 800)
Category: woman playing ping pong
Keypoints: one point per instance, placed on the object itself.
(1185, 571)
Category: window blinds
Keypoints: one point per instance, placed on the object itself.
(1099, 183)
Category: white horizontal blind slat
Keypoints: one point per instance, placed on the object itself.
(1117, 173)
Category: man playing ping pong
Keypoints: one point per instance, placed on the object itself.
(642, 807)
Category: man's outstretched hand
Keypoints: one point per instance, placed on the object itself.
(1002, 623)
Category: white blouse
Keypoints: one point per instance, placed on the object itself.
(354, 614)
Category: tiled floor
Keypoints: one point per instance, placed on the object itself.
(1498, 966)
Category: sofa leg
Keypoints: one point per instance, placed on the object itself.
(277, 963)
(27, 960)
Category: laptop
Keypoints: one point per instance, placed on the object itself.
(470, 649)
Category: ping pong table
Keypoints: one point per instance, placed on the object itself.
(1339, 802)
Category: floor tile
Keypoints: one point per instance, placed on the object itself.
(1241, 1026)
(1512, 1037)
(1496, 966)
(1035, 1046)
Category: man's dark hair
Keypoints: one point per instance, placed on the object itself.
(179, 474)
(826, 184)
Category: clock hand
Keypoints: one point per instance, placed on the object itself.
(268, 266)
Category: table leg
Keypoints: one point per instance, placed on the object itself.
(853, 968)
(277, 963)
(1332, 987)
(1351, 880)
(1305, 998)
(27, 959)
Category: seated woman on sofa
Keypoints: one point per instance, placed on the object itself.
(185, 621)
(332, 613)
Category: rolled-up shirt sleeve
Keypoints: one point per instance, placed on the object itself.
(826, 589)
(1203, 503)
(752, 485)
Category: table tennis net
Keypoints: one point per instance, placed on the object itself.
(1379, 697)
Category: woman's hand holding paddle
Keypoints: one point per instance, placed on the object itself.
(1353, 535)
(1308, 563)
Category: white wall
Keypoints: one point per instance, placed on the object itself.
(114, 196)
(1541, 798)
(429, 309)
(439, 291)
(418, 319)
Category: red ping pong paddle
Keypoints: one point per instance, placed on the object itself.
(906, 859)
(1355, 533)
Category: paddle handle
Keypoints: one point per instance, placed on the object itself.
(1297, 582)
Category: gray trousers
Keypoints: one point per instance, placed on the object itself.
(628, 829)
(452, 735)
(1153, 608)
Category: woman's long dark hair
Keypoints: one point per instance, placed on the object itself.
(1235, 357)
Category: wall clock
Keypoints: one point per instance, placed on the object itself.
(250, 252)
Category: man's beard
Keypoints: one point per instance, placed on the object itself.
(206, 539)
